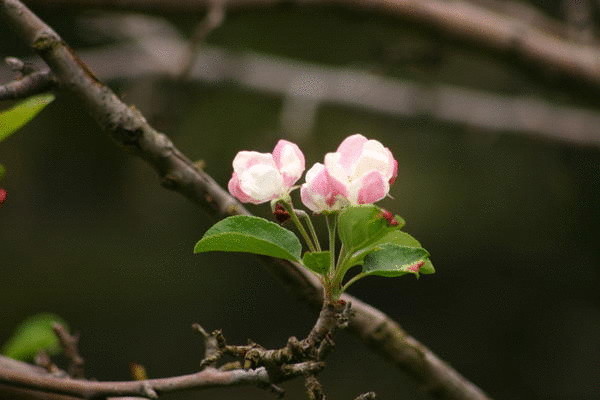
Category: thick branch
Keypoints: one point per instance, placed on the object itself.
(128, 127)
(461, 19)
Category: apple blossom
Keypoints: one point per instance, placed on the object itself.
(322, 192)
(261, 177)
(359, 172)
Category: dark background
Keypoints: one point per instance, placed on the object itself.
(511, 220)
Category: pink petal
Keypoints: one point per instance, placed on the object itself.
(373, 187)
(321, 191)
(350, 149)
(236, 191)
(394, 172)
(289, 160)
(246, 159)
(308, 198)
(337, 189)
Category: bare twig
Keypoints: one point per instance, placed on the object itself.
(212, 346)
(70, 345)
(42, 359)
(129, 128)
(314, 389)
(29, 82)
(214, 18)
(302, 362)
(151, 388)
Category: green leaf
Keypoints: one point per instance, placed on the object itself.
(396, 237)
(361, 226)
(317, 261)
(392, 260)
(251, 235)
(14, 118)
(427, 268)
(2, 171)
(404, 239)
(32, 336)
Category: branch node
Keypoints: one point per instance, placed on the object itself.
(314, 389)
(148, 391)
(45, 40)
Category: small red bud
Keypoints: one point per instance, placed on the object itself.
(389, 217)
(281, 214)
(3, 195)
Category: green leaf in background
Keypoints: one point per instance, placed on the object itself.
(363, 225)
(251, 235)
(2, 171)
(32, 336)
(392, 260)
(317, 261)
(14, 118)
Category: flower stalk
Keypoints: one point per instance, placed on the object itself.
(289, 207)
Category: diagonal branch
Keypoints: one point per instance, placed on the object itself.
(129, 128)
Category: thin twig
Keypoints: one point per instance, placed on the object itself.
(70, 345)
(42, 359)
(314, 389)
(29, 83)
(215, 15)
(212, 346)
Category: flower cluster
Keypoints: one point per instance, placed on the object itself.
(360, 171)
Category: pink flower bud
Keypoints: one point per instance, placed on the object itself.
(261, 177)
(364, 167)
(3, 195)
(322, 192)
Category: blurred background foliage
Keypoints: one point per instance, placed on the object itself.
(511, 220)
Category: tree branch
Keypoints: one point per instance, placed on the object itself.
(461, 19)
(129, 128)
(150, 388)
(305, 85)
(70, 345)
(214, 18)
(29, 83)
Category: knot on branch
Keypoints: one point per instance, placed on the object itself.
(46, 40)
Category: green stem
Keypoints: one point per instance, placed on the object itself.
(290, 209)
(354, 279)
(331, 227)
(311, 228)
